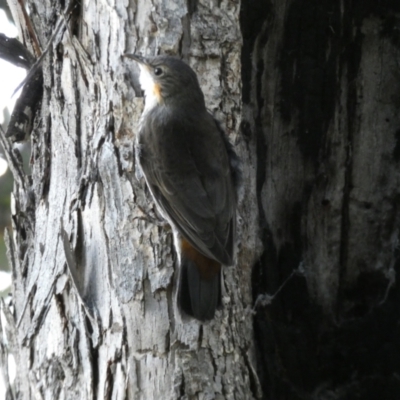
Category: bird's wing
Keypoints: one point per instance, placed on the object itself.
(187, 169)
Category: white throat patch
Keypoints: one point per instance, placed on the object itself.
(152, 97)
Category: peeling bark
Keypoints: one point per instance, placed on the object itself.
(94, 275)
(307, 92)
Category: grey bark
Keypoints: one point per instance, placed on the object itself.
(308, 94)
(93, 313)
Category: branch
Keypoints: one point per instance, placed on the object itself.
(29, 26)
(13, 51)
(61, 25)
(21, 122)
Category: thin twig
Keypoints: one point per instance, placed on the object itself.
(31, 31)
(264, 300)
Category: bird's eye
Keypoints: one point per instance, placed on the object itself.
(158, 71)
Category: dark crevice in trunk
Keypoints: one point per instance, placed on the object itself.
(350, 63)
(253, 16)
(396, 150)
(301, 352)
(310, 48)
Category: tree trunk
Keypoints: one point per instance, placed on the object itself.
(94, 276)
(309, 100)
(323, 107)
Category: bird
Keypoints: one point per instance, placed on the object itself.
(187, 164)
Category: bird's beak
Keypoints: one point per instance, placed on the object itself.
(139, 59)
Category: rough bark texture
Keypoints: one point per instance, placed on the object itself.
(321, 96)
(309, 98)
(94, 309)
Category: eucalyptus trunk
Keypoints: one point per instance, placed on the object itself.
(323, 105)
(94, 269)
(307, 92)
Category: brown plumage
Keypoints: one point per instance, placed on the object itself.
(186, 163)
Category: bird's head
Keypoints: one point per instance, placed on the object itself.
(168, 80)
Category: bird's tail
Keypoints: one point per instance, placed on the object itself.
(199, 293)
